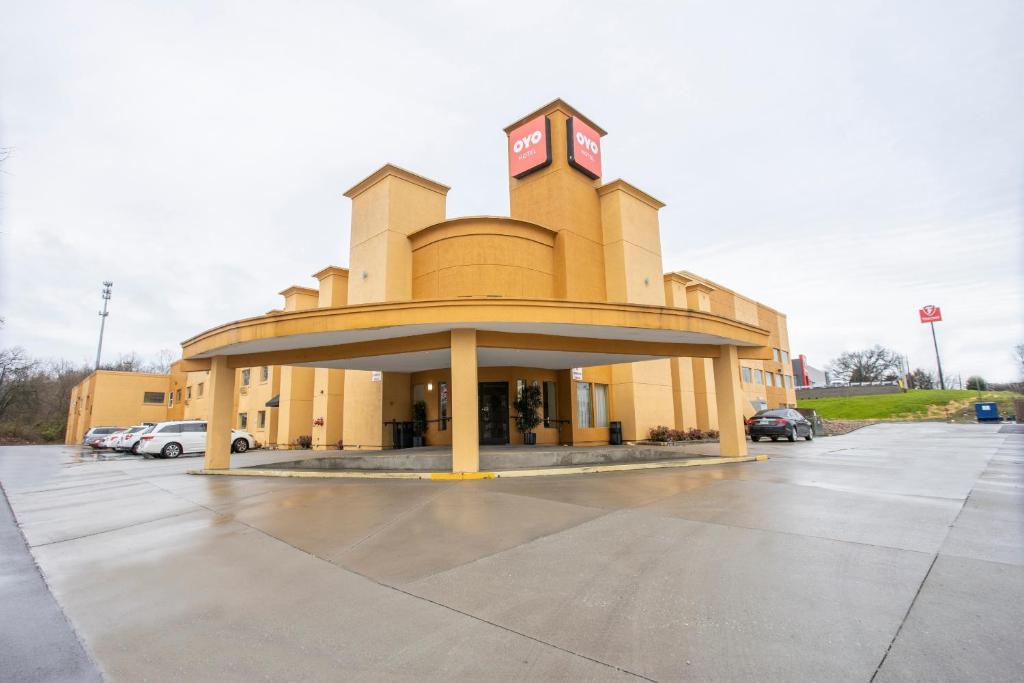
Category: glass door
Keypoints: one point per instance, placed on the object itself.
(493, 399)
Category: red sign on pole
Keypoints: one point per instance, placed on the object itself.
(930, 314)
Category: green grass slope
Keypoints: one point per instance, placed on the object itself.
(913, 405)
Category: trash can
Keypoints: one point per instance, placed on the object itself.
(401, 434)
(817, 424)
(987, 411)
(615, 433)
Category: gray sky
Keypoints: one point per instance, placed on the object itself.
(845, 163)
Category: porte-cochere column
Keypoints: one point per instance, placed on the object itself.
(729, 397)
(218, 427)
(465, 411)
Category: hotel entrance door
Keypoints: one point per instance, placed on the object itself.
(493, 398)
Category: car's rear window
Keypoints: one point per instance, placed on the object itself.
(105, 430)
(773, 413)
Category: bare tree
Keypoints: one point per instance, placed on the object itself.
(126, 362)
(922, 379)
(15, 372)
(868, 365)
(161, 364)
(1018, 351)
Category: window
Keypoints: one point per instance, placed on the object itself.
(193, 427)
(789, 381)
(170, 399)
(550, 396)
(745, 372)
(775, 355)
(261, 419)
(601, 405)
(785, 356)
(188, 392)
(442, 406)
(153, 397)
(520, 385)
(264, 373)
(243, 420)
(758, 377)
(245, 377)
(169, 429)
(583, 420)
(179, 395)
(200, 390)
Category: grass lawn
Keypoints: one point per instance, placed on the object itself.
(914, 405)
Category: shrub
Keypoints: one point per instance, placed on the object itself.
(303, 442)
(340, 445)
(660, 433)
(51, 432)
(527, 404)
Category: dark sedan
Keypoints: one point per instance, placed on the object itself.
(779, 423)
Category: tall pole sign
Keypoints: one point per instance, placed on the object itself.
(932, 315)
(107, 285)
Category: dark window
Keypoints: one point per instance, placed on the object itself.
(169, 429)
(153, 397)
(550, 404)
(193, 427)
(442, 406)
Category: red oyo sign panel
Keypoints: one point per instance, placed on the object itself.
(930, 314)
(529, 147)
(584, 147)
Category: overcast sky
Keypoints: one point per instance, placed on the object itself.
(845, 163)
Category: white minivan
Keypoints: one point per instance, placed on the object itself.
(171, 439)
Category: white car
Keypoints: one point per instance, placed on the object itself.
(129, 439)
(110, 439)
(93, 436)
(171, 439)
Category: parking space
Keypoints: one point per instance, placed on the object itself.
(896, 550)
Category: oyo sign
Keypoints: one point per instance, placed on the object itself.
(529, 147)
(930, 314)
(584, 145)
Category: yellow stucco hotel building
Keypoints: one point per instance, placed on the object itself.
(568, 293)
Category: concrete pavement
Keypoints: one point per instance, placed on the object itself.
(895, 552)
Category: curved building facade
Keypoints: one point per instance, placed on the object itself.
(568, 293)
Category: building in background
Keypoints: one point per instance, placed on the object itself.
(806, 376)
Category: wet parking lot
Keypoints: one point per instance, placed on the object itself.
(892, 553)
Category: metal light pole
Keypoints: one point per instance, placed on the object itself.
(107, 285)
(938, 361)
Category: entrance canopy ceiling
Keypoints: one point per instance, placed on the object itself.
(412, 336)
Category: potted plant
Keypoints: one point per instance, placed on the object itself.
(527, 419)
(419, 423)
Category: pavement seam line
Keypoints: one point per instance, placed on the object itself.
(401, 515)
(436, 603)
(385, 585)
(42, 576)
(924, 579)
(120, 528)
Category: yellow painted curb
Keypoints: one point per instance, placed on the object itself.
(463, 476)
(450, 476)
